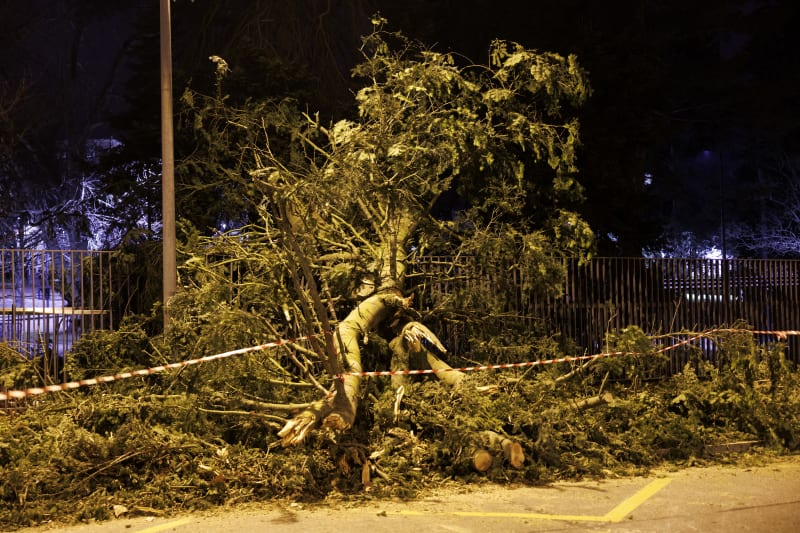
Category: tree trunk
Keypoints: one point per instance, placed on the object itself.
(484, 443)
(410, 351)
(338, 411)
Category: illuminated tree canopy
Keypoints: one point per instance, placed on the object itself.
(348, 205)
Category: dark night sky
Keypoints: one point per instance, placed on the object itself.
(632, 50)
(695, 72)
(73, 59)
(669, 78)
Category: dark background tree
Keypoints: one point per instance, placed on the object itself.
(59, 73)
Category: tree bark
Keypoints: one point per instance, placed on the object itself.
(580, 405)
(486, 444)
(444, 371)
(594, 401)
(410, 352)
(338, 411)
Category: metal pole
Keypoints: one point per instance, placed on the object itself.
(170, 270)
(726, 286)
(722, 205)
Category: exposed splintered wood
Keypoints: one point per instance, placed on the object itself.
(366, 478)
(337, 412)
(296, 430)
(414, 349)
(417, 336)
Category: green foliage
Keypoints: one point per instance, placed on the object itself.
(743, 392)
(103, 352)
(502, 136)
(16, 369)
(639, 361)
(204, 435)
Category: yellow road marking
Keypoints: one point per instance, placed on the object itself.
(617, 514)
(625, 508)
(527, 516)
(166, 526)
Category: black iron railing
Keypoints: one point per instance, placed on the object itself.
(658, 295)
(48, 298)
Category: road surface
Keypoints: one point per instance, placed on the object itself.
(709, 499)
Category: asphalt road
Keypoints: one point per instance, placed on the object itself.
(763, 498)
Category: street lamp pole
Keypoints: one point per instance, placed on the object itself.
(170, 269)
(722, 206)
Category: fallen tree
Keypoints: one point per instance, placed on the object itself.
(207, 435)
(351, 205)
(344, 212)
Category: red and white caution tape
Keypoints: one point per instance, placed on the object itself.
(567, 359)
(19, 394)
(782, 334)
(504, 366)
(34, 391)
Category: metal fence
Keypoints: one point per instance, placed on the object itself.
(48, 298)
(658, 295)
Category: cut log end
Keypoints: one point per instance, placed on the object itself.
(513, 453)
(482, 460)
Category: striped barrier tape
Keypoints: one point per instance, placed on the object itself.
(504, 366)
(34, 391)
(19, 394)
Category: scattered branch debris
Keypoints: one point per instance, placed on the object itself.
(178, 441)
